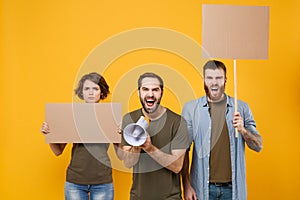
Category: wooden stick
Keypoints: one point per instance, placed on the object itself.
(235, 94)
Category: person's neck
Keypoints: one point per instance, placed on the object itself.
(155, 115)
(217, 100)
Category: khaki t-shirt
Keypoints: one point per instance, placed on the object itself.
(220, 161)
(151, 180)
(89, 164)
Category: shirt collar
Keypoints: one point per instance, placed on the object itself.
(229, 102)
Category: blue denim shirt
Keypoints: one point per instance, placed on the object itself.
(197, 115)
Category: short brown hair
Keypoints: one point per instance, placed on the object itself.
(214, 64)
(151, 75)
(97, 79)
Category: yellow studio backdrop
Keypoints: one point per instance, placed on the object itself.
(44, 49)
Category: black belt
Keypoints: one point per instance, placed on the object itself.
(221, 184)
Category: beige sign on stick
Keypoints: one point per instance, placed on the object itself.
(83, 122)
(235, 32)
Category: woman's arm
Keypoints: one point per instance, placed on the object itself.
(56, 148)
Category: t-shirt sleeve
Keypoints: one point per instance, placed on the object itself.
(249, 121)
(181, 139)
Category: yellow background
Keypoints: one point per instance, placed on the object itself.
(44, 43)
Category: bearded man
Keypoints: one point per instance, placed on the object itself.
(218, 163)
(156, 163)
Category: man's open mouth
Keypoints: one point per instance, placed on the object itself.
(150, 102)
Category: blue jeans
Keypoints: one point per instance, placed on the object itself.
(83, 192)
(220, 192)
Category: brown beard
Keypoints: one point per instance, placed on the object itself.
(207, 90)
(144, 106)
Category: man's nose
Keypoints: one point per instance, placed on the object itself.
(150, 93)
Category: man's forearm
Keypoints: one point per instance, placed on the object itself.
(185, 171)
(254, 141)
(172, 161)
(131, 156)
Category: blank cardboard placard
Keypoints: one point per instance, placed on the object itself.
(235, 32)
(83, 122)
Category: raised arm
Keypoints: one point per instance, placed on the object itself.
(57, 148)
(173, 161)
(130, 155)
(253, 140)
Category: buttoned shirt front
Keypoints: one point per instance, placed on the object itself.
(196, 113)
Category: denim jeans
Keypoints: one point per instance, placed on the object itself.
(220, 192)
(92, 192)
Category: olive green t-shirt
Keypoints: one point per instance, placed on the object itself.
(89, 164)
(220, 161)
(151, 180)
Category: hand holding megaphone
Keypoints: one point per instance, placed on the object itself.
(135, 133)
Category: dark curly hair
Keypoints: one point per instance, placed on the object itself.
(97, 79)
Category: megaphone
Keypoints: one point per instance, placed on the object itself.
(135, 133)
